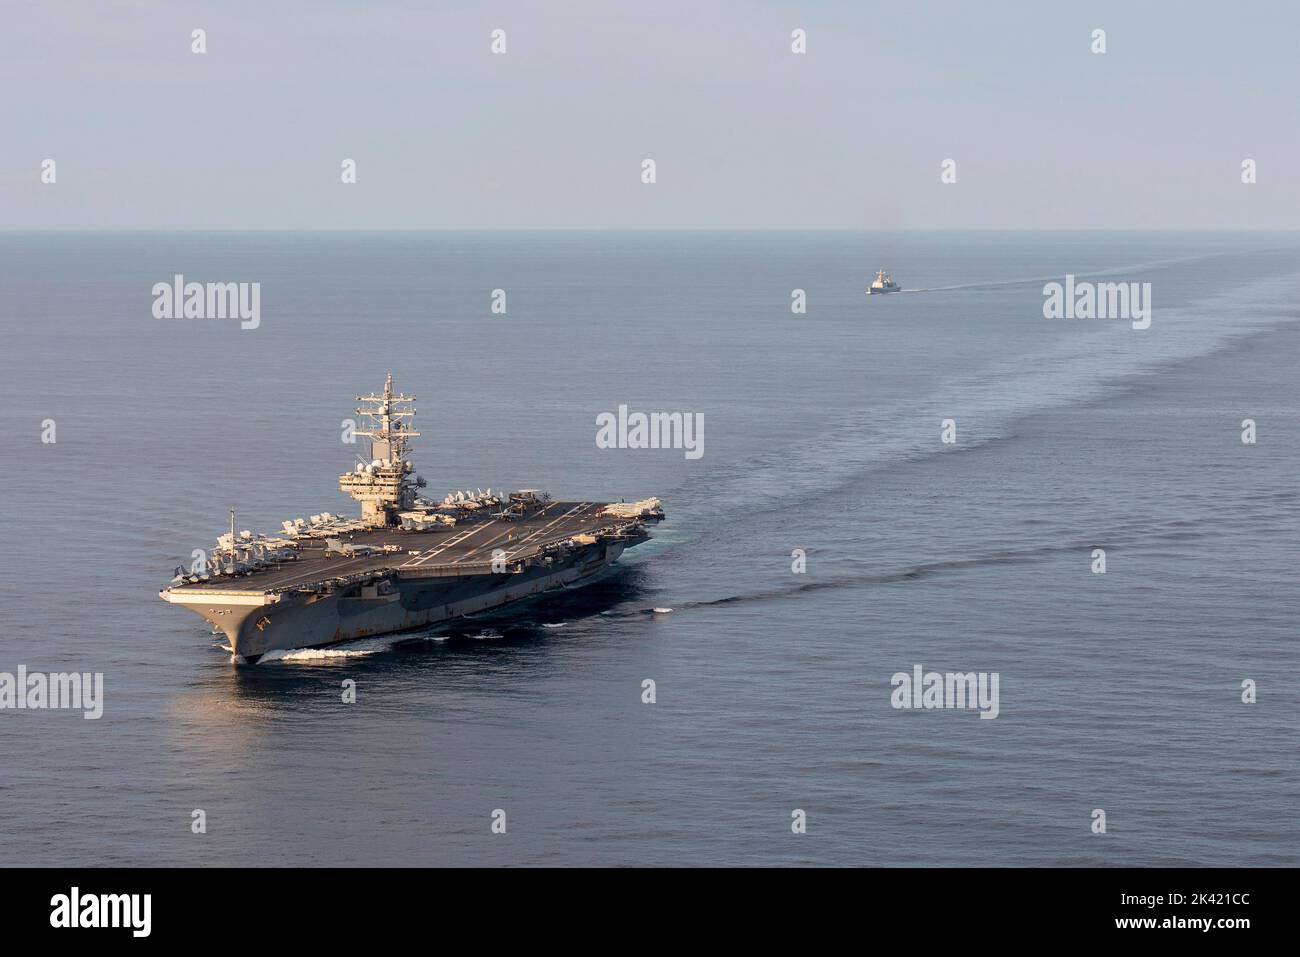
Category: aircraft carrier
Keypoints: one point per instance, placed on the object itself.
(406, 562)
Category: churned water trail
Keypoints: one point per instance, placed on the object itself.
(1121, 270)
(987, 402)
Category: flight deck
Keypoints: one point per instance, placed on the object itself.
(462, 549)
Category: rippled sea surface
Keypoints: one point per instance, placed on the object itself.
(1120, 691)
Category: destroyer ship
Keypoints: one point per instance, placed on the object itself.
(406, 562)
(883, 283)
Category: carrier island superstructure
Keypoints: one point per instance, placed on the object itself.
(406, 562)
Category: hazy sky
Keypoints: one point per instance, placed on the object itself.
(745, 134)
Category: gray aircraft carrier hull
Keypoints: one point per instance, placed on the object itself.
(257, 623)
(407, 561)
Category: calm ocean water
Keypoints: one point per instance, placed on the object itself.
(1119, 691)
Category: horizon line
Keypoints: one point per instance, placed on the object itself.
(649, 229)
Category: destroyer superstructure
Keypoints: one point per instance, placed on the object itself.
(406, 562)
(883, 283)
